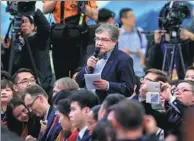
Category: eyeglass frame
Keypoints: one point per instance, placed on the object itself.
(180, 90)
(31, 105)
(27, 81)
(101, 39)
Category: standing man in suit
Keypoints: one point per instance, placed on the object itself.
(115, 66)
(36, 100)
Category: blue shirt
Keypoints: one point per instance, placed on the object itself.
(131, 41)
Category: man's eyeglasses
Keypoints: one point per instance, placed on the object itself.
(146, 79)
(31, 105)
(102, 39)
(26, 82)
(182, 90)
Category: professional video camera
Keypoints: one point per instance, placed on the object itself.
(17, 10)
(172, 16)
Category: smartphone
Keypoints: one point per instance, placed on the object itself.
(153, 94)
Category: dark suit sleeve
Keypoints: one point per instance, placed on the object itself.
(80, 78)
(180, 106)
(126, 78)
(43, 27)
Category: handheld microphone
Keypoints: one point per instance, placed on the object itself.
(96, 53)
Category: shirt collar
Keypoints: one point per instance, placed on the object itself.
(46, 115)
(122, 30)
(82, 132)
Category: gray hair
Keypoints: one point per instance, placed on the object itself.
(67, 84)
(112, 30)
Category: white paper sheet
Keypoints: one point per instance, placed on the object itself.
(90, 78)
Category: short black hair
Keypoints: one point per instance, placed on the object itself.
(21, 70)
(161, 75)
(104, 14)
(64, 94)
(103, 131)
(190, 68)
(123, 12)
(34, 90)
(95, 110)
(6, 75)
(129, 114)
(63, 107)
(112, 99)
(6, 84)
(84, 98)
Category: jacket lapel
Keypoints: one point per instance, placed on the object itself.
(109, 63)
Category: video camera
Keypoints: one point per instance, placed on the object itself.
(172, 16)
(19, 9)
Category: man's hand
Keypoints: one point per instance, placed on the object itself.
(30, 138)
(101, 84)
(43, 126)
(139, 53)
(186, 35)
(143, 92)
(91, 63)
(166, 91)
(7, 43)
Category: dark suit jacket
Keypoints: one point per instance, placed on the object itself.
(86, 136)
(118, 71)
(50, 134)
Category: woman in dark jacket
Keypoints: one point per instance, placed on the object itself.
(20, 120)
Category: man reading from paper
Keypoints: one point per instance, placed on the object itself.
(116, 67)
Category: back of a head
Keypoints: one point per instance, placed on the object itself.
(129, 114)
(64, 94)
(104, 14)
(104, 131)
(112, 99)
(84, 98)
(6, 75)
(6, 135)
(67, 83)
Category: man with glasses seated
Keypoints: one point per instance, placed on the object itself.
(115, 67)
(36, 99)
(22, 79)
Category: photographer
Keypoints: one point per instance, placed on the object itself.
(69, 48)
(35, 30)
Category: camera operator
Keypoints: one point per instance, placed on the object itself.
(70, 48)
(156, 53)
(36, 31)
(170, 22)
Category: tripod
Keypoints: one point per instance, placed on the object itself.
(14, 37)
(176, 51)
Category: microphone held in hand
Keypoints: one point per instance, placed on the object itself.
(96, 55)
(96, 52)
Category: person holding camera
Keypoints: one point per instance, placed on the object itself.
(35, 48)
(69, 48)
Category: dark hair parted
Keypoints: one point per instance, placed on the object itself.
(84, 98)
(161, 75)
(21, 70)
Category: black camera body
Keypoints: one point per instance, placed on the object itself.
(171, 17)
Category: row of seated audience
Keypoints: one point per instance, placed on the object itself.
(75, 114)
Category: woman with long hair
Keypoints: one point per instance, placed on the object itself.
(20, 120)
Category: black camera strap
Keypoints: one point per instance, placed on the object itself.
(62, 11)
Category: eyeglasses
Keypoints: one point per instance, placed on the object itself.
(31, 105)
(102, 39)
(26, 82)
(146, 79)
(182, 90)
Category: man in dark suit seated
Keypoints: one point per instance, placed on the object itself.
(115, 66)
(36, 100)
